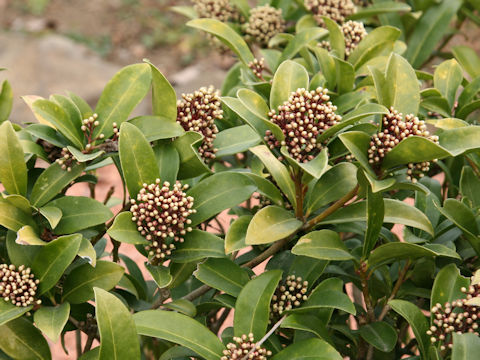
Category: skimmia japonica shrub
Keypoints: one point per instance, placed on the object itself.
(323, 203)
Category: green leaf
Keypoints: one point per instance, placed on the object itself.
(468, 58)
(323, 245)
(168, 161)
(321, 298)
(467, 109)
(20, 254)
(182, 306)
(396, 212)
(51, 182)
(13, 171)
(219, 192)
(301, 39)
(85, 109)
(191, 164)
(235, 237)
(380, 334)
(6, 101)
(316, 167)
(235, 140)
(373, 45)
(121, 95)
(253, 102)
(164, 99)
(157, 127)
(14, 218)
(266, 188)
(310, 323)
(357, 143)
(383, 7)
(375, 217)
(413, 149)
(404, 98)
(179, 329)
(259, 124)
(459, 140)
(125, 230)
(52, 319)
(278, 171)
(469, 92)
(118, 338)
(71, 109)
(79, 213)
(253, 304)
(447, 78)
(227, 35)
(47, 133)
(335, 37)
(470, 185)
(29, 147)
(79, 284)
(417, 321)
(19, 339)
(56, 115)
(137, 158)
(309, 349)
(429, 30)
(198, 245)
(270, 224)
(28, 236)
(223, 275)
(52, 214)
(160, 274)
(289, 77)
(87, 252)
(464, 346)
(327, 65)
(447, 285)
(9, 312)
(345, 76)
(53, 259)
(335, 183)
(396, 251)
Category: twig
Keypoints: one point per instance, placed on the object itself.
(337, 205)
(398, 284)
(78, 342)
(92, 190)
(473, 165)
(109, 195)
(298, 195)
(164, 295)
(88, 344)
(262, 340)
(218, 324)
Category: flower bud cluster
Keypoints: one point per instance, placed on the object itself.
(18, 286)
(198, 112)
(288, 295)
(220, 10)
(455, 317)
(257, 66)
(353, 33)
(242, 346)
(337, 10)
(161, 213)
(303, 117)
(264, 23)
(395, 128)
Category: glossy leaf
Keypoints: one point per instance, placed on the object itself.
(447, 78)
(79, 213)
(157, 127)
(380, 334)
(79, 284)
(191, 164)
(13, 171)
(396, 212)
(470, 186)
(9, 312)
(19, 339)
(323, 245)
(227, 35)
(253, 102)
(6, 101)
(253, 304)
(278, 171)
(164, 99)
(429, 30)
(137, 158)
(459, 140)
(468, 58)
(417, 321)
(345, 76)
(270, 224)
(14, 218)
(198, 245)
(465, 346)
(335, 37)
(52, 214)
(357, 143)
(306, 322)
(180, 329)
(289, 77)
(330, 299)
(235, 140)
(235, 237)
(118, 338)
(125, 230)
(53, 259)
(52, 319)
(447, 285)
(219, 192)
(300, 40)
(223, 275)
(51, 182)
(87, 252)
(375, 217)
(121, 95)
(309, 349)
(160, 274)
(168, 161)
(396, 251)
(383, 7)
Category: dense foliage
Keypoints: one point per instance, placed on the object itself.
(333, 159)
